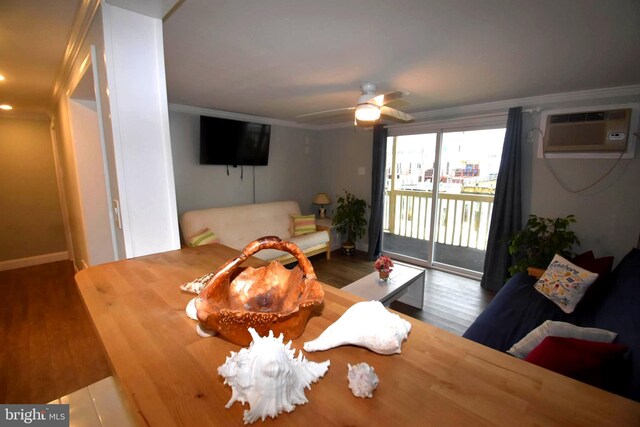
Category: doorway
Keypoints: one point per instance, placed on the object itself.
(96, 239)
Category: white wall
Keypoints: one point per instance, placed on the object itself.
(91, 182)
(140, 122)
(65, 148)
(293, 172)
(131, 93)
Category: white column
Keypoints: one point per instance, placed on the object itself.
(140, 121)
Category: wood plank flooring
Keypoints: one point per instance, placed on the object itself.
(50, 349)
(451, 302)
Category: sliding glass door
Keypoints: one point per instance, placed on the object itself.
(409, 195)
(439, 196)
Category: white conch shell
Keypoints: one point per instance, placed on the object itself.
(365, 324)
(362, 380)
(269, 377)
(190, 309)
(192, 314)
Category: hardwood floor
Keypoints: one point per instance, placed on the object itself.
(50, 349)
(451, 302)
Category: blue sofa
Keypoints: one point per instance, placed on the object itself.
(518, 308)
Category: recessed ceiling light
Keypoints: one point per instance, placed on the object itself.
(6, 107)
(1, 77)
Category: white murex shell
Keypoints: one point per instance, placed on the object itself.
(362, 380)
(268, 376)
(366, 324)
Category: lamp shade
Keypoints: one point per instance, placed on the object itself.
(321, 199)
(367, 112)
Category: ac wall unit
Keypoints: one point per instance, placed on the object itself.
(594, 132)
(587, 131)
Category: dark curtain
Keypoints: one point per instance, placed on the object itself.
(377, 190)
(506, 218)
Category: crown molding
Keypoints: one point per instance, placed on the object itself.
(81, 25)
(530, 102)
(238, 116)
(25, 116)
(476, 110)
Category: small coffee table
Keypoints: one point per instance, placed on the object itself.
(406, 283)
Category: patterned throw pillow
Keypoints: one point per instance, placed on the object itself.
(202, 237)
(565, 283)
(303, 224)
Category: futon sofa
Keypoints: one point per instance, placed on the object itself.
(236, 226)
(518, 308)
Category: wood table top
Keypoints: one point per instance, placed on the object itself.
(168, 374)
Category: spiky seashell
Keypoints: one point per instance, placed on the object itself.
(366, 324)
(268, 376)
(362, 380)
(196, 285)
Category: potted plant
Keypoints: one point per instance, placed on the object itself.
(384, 265)
(539, 241)
(350, 221)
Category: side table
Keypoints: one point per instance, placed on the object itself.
(327, 225)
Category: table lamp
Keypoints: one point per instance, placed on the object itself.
(322, 199)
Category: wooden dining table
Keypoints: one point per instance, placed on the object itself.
(168, 374)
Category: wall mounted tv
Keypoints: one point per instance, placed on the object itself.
(233, 142)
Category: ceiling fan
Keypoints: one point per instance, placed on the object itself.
(369, 108)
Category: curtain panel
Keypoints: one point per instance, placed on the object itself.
(506, 218)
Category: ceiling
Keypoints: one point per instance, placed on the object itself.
(33, 38)
(283, 58)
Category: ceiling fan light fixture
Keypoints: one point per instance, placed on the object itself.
(367, 112)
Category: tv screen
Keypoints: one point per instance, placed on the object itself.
(233, 142)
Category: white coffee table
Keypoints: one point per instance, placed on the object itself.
(405, 283)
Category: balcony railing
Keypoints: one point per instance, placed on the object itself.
(462, 219)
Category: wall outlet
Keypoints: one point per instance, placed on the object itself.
(360, 170)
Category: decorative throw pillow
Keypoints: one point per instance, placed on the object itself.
(202, 237)
(582, 360)
(303, 224)
(565, 283)
(549, 328)
(602, 266)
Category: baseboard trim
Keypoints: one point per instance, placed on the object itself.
(12, 264)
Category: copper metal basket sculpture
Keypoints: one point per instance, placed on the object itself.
(266, 298)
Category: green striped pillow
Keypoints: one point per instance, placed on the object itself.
(202, 237)
(303, 224)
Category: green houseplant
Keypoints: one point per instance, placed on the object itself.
(539, 241)
(350, 221)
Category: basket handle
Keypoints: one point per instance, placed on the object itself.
(225, 272)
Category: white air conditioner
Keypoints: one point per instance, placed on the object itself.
(593, 132)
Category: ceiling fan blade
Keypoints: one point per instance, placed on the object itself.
(324, 114)
(394, 114)
(385, 98)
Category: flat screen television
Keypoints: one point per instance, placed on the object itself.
(233, 142)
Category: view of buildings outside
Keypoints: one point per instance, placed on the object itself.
(470, 161)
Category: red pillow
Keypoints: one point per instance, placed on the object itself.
(602, 266)
(586, 361)
(588, 261)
